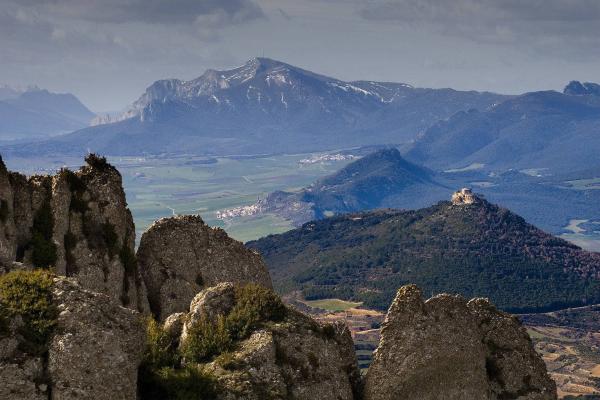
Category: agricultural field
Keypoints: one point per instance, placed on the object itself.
(333, 305)
(159, 187)
(569, 342)
(584, 233)
(192, 185)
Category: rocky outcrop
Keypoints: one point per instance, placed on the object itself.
(289, 358)
(97, 347)
(93, 353)
(180, 256)
(449, 348)
(76, 223)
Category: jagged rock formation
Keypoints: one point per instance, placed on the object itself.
(77, 223)
(93, 353)
(449, 348)
(292, 357)
(179, 256)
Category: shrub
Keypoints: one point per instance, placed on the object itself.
(128, 259)
(189, 383)
(96, 161)
(254, 306)
(28, 294)
(111, 239)
(160, 376)
(76, 184)
(78, 204)
(3, 210)
(206, 339)
(43, 248)
(160, 350)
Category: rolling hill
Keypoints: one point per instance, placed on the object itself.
(476, 249)
(557, 131)
(266, 106)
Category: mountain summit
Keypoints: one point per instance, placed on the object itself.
(267, 106)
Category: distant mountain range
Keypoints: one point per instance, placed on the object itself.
(38, 113)
(267, 106)
(557, 131)
(468, 246)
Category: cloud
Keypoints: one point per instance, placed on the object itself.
(148, 11)
(541, 23)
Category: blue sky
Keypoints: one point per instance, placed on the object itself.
(108, 51)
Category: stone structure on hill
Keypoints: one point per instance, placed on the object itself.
(94, 353)
(447, 347)
(76, 223)
(180, 256)
(464, 196)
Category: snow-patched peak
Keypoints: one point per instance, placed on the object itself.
(264, 83)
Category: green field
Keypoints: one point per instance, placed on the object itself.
(158, 187)
(585, 184)
(332, 304)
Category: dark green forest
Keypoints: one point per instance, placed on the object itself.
(474, 250)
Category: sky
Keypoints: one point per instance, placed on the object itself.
(107, 52)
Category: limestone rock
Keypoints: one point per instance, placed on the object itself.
(210, 302)
(22, 379)
(180, 256)
(449, 348)
(94, 352)
(293, 358)
(77, 223)
(22, 376)
(97, 347)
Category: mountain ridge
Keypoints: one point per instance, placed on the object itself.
(545, 129)
(39, 113)
(266, 106)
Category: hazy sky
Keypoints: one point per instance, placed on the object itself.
(108, 51)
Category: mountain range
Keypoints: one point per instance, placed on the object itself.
(267, 106)
(467, 246)
(37, 113)
(548, 129)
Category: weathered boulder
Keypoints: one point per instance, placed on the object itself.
(180, 256)
(77, 223)
(285, 354)
(449, 348)
(97, 347)
(22, 376)
(59, 341)
(292, 360)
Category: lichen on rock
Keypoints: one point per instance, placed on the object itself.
(59, 340)
(250, 346)
(75, 223)
(449, 348)
(179, 256)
